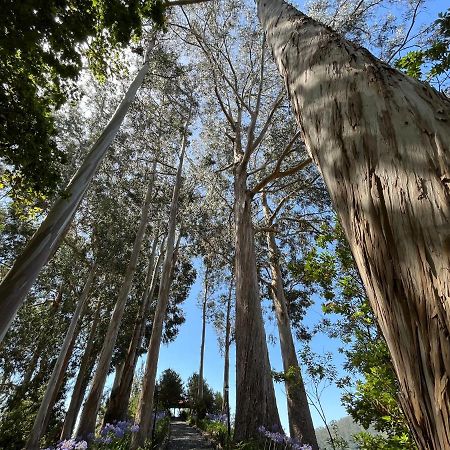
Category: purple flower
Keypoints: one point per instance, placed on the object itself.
(123, 424)
(108, 428)
(134, 428)
(82, 445)
(68, 444)
(119, 432)
(160, 415)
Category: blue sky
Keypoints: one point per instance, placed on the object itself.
(183, 356)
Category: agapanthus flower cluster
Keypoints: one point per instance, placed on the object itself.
(70, 444)
(279, 438)
(116, 430)
(109, 432)
(160, 415)
(222, 418)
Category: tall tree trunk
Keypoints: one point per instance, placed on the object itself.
(119, 400)
(381, 141)
(300, 421)
(44, 243)
(59, 382)
(92, 404)
(82, 381)
(21, 390)
(202, 344)
(59, 368)
(145, 409)
(255, 394)
(226, 365)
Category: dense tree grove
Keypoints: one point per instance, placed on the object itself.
(284, 175)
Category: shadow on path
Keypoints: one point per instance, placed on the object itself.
(184, 437)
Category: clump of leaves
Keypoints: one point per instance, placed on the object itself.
(435, 58)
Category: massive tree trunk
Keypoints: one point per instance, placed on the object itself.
(82, 381)
(255, 395)
(202, 344)
(92, 404)
(44, 243)
(57, 375)
(119, 400)
(145, 409)
(381, 141)
(300, 421)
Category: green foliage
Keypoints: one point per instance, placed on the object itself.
(435, 58)
(218, 431)
(41, 50)
(374, 402)
(170, 389)
(162, 430)
(210, 403)
(367, 441)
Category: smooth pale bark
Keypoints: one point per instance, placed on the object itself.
(117, 408)
(381, 141)
(44, 243)
(82, 381)
(255, 396)
(226, 365)
(92, 404)
(202, 344)
(300, 421)
(145, 408)
(60, 381)
(55, 380)
(20, 392)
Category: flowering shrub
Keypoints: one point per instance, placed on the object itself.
(70, 444)
(161, 415)
(116, 435)
(216, 426)
(277, 439)
(222, 418)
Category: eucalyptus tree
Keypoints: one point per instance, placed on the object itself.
(88, 417)
(206, 286)
(58, 372)
(20, 278)
(300, 420)
(145, 409)
(30, 350)
(379, 139)
(212, 239)
(247, 99)
(45, 241)
(117, 407)
(86, 364)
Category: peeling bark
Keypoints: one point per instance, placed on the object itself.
(381, 141)
(255, 395)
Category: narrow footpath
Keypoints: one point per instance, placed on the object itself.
(184, 437)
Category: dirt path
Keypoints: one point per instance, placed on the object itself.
(184, 437)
